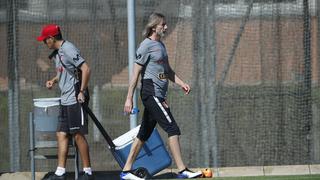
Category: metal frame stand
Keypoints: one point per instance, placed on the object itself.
(33, 148)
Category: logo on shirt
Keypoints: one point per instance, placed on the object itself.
(163, 76)
(76, 58)
(138, 56)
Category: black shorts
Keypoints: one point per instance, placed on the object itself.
(73, 119)
(156, 112)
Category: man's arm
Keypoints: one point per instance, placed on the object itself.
(50, 83)
(175, 78)
(85, 76)
(132, 85)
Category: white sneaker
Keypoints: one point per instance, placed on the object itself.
(187, 174)
(129, 175)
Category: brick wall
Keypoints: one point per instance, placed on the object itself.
(264, 54)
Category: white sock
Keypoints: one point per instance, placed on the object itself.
(87, 170)
(60, 171)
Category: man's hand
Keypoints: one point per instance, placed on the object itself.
(186, 88)
(81, 98)
(49, 84)
(128, 106)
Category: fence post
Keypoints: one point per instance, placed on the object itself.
(132, 54)
(13, 86)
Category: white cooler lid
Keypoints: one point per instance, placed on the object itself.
(46, 102)
(126, 138)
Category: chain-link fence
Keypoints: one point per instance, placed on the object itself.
(252, 65)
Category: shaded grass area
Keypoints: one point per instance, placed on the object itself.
(4, 150)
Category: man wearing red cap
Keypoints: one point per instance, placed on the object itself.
(73, 76)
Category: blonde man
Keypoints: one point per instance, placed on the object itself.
(153, 65)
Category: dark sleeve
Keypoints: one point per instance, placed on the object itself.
(73, 56)
(142, 55)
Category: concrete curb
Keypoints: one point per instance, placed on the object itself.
(264, 170)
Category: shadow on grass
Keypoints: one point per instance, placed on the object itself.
(168, 175)
(114, 175)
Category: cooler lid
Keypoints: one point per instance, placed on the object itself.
(126, 138)
(46, 102)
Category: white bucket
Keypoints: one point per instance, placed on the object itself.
(46, 114)
(46, 102)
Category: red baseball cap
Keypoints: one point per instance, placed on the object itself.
(49, 31)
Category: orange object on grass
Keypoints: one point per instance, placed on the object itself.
(207, 173)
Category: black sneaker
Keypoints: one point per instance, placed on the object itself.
(85, 176)
(54, 177)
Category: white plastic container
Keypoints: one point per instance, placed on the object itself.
(46, 116)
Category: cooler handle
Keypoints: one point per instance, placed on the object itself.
(100, 127)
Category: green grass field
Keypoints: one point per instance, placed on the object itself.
(300, 177)
(266, 177)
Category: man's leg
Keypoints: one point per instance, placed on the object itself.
(83, 148)
(161, 111)
(176, 151)
(184, 172)
(145, 131)
(134, 151)
(78, 127)
(63, 140)
(60, 173)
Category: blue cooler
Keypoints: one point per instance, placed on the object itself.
(153, 155)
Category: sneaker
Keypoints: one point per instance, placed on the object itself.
(187, 174)
(54, 177)
(85, 176)
(129, 175)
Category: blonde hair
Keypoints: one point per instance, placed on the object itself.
(154, 20)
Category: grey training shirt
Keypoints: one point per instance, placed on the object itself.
(152, 55)
(71, 58)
